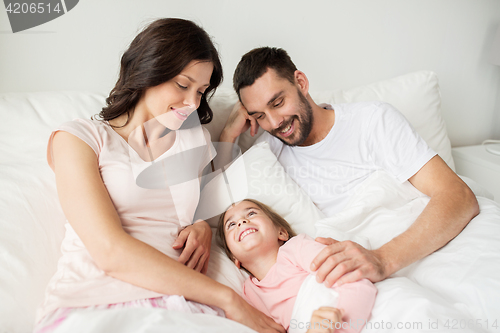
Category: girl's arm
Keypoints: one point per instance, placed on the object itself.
(90, 211)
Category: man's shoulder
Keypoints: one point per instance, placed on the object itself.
(367, 106)
(367, 112)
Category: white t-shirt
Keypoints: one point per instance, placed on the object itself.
(366, 137)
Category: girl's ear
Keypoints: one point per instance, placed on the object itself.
(237, 262)
(283, 235)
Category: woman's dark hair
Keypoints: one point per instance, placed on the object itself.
(156, 55)
(256, 62)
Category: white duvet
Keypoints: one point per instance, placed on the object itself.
(455, 289)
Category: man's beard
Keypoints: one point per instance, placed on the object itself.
(305, 121)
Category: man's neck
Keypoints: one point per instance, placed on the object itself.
(323, 121)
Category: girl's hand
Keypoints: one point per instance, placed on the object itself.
(196, 240)
(247, 315)
(323, 320)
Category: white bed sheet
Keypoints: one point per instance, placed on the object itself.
(455, 289)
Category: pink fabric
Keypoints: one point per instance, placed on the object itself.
(357, 300)
(172, 303)
(153, 216)
(276, 293)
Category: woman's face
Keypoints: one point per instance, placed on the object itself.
(170, 103)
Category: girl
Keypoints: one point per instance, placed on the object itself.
(126, 245)
(262, 242)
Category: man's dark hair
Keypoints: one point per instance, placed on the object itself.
(256, 62)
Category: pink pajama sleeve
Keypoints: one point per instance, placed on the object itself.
(357, 300)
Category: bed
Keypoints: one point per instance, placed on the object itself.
(457, 288)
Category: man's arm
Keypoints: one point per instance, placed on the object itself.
(451, 207)
(237, 123)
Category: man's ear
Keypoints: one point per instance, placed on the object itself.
(302, 82)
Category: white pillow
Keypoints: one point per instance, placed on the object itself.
(418, 98)
(222, 104)
(258, 175)
(416, 95)
(31, 223)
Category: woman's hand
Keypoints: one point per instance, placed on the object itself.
(324, 319)
(196, 240)
(247, 315)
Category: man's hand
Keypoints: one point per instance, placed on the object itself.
(345, 262)
(323, 320)
(196, 240)
(238, 122)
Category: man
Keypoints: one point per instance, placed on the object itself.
(339, 147)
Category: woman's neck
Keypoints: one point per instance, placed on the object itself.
(146, 136)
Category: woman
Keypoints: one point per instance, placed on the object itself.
(127, 245)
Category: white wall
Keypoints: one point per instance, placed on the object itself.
(337, 43)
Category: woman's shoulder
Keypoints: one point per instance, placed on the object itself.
(91, 131)
(79, 123)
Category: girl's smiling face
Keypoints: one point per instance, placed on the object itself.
(249, 232)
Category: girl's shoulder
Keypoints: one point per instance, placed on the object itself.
(300, 238)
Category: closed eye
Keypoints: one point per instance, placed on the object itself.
(181, 86)
(280, 103)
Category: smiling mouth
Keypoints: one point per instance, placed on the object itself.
(288, 130)
(246, 233)
(180, 115)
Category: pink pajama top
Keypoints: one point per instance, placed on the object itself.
(276, 293)
(153, 216)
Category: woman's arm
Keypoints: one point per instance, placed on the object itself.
(90, 211)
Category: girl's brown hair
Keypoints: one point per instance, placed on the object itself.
(277, 220)
(156, 55)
